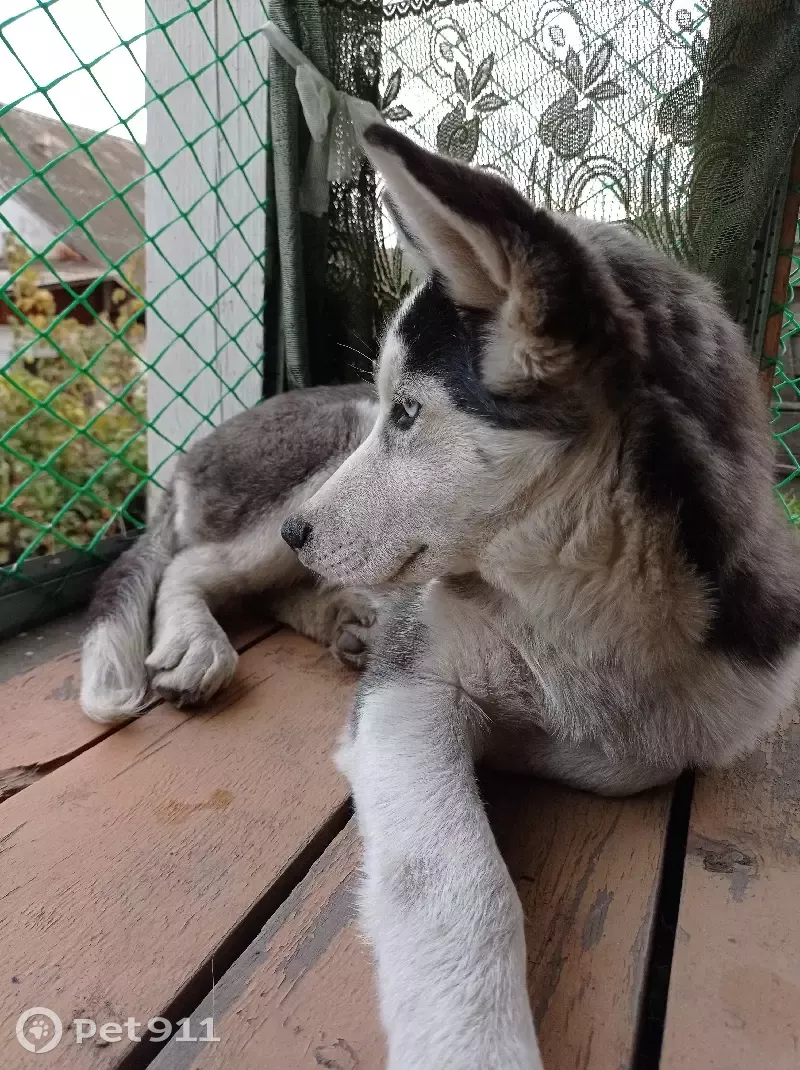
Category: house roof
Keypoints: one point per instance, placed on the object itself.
(77, 181)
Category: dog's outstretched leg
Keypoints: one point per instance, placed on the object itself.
(438, 901)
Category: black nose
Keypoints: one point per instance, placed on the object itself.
(295, 532)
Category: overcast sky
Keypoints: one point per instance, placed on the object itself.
(91, 33)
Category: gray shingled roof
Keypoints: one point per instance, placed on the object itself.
(77, 181)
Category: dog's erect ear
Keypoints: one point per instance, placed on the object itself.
(496, 251)
(452, 215)
(417, 256)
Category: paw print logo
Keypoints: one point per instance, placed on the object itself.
(39, 1030)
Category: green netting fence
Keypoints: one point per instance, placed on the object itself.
(131, 267)
(786, 388)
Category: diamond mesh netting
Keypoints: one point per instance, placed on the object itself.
(786, 390)
(100, 285)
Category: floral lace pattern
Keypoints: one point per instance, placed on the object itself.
(599, 109)
(580, 106)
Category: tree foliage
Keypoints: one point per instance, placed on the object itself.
(73, 449)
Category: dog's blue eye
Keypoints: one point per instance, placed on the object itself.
(405, 412)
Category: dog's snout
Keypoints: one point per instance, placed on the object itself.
(295, 531)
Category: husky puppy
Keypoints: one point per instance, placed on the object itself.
(567, 473)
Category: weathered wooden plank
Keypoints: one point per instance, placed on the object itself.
(734, 996)
(302, 995)
(40, 718)
(41, 721)
(587, 870)
(125, 869)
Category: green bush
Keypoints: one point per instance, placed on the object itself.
(73, 449)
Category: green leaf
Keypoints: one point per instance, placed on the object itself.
(392, 88)
(490, 102)
(462, 82)
(482, 75)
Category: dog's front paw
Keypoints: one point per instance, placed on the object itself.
(353, 631)
(189, 666)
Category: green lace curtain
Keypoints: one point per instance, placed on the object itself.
(671, 117)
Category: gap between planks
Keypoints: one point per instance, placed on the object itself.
(734, 997)
(129, 867)
(652, 1019)
(41, 723)
(547, 973)
(587, 870)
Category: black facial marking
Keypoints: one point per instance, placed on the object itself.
(446, 343)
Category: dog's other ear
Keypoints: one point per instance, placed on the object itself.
(449, 215)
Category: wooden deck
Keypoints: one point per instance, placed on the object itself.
(204, 866)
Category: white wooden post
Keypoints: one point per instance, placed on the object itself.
(201, 329)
